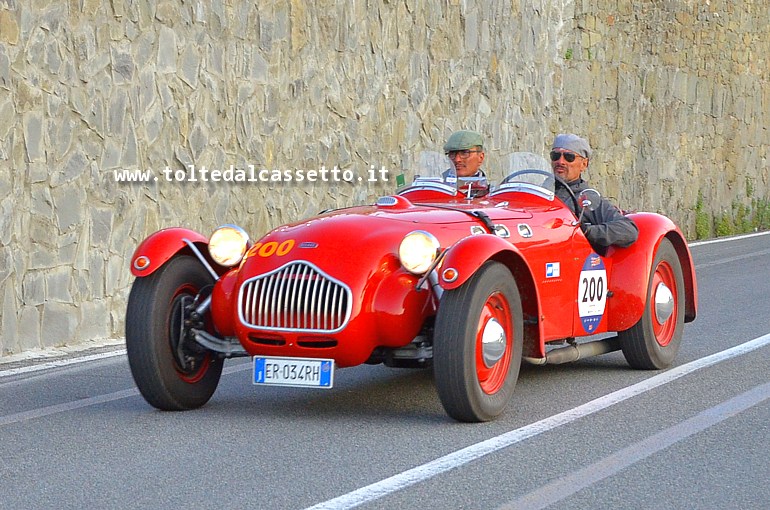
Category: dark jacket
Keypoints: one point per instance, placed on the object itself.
(606, 225)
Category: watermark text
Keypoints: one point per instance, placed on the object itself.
(251, 174)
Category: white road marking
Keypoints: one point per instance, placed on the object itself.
(67, 406)
(466, 455)
(91, 401)
(60, 363)
(564, 487)
(728, 239)
(729, 260)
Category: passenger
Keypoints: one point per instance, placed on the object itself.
(466, 151)
(605, 226)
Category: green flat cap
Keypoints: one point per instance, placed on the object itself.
(461, 140)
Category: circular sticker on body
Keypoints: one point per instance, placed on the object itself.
(592, 292)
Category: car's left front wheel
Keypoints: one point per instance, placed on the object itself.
(170, 370)
(477, 344)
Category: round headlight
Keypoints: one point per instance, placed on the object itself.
(418, 250)
(228, 245)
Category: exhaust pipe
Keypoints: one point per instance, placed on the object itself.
(575, 351)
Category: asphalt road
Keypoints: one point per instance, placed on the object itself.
(593, 434)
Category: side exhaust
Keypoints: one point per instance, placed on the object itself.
(575, 351)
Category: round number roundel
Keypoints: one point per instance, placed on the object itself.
(592, 292)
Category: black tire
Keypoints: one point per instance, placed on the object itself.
(153, 319)
(470, 389)
(651, 344)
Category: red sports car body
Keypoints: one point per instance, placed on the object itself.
(471, 282)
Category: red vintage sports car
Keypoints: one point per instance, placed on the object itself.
(446, 273)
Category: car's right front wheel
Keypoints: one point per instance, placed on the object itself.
(170, 370)
(477, 344)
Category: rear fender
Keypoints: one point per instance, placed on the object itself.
(631, 268)
(159, 247)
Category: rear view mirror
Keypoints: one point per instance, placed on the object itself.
(589, 199)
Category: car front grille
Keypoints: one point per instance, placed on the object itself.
(295, 297)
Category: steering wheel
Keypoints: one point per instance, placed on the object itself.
(558, 182)
(548, 175)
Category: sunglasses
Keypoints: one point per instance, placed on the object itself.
(569, 156)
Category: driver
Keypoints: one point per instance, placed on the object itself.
(604, 226)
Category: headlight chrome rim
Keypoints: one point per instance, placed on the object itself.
(418, 250)
(228, 245)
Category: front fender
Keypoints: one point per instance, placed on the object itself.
(468, 254)
(161, 246)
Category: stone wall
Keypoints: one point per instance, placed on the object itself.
(675, 95)
(671, 94)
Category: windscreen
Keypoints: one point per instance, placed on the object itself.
(528, 172)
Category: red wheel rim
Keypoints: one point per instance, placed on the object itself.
(185, 374)
(664, 332)
(491, 379)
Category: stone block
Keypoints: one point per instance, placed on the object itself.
(74, 167)
(101, 227)
(6, 264)
(122, 63)
(97, 323)
(58, 283)
(167, 51)
(59, 324)
(110, 157)
(9, 27)
(33, 288)
(190, 66)
(28, 328)
(34, 131)
(7, 118)
(117, 113)
(68, 201)
(8, 321)
(5, 69)
(129, 156)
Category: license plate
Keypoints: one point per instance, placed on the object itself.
(298, 372)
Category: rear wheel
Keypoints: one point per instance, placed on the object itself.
(477, 345)
(171, 370)
(653, 342)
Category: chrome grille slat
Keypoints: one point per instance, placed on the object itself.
(313, 295)
(319, 310)
(247, 303)
(269, 305)
(262, 301)
(337, 300)
(278, 305)
(259, 289)
(279, 292)
(295, 297)
(306, 282)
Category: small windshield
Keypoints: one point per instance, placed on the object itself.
(433, 165)
(528, 172)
